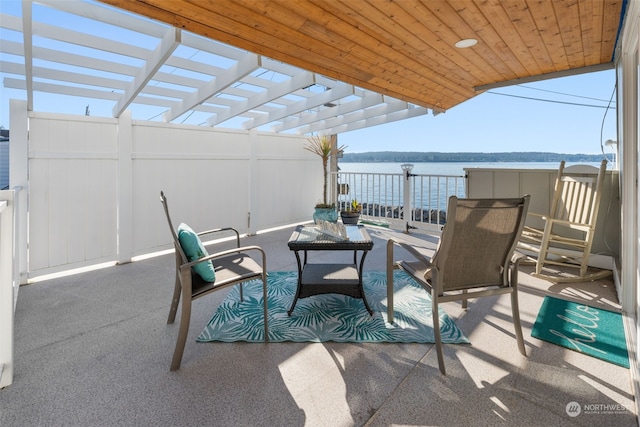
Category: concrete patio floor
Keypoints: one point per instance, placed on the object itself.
(93, 349)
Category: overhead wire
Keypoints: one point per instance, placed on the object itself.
(548, 100)
(603, 120)
(562, 93)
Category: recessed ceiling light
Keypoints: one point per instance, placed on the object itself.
(466, 43)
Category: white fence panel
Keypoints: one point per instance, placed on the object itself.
(289, 182)
(81, 196)
(73, 171)
(204, 176)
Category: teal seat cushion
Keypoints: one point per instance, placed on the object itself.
(194, 250)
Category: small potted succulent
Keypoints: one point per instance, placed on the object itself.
(351, 215)
(322, 145)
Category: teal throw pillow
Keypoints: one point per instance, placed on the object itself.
(194, 250)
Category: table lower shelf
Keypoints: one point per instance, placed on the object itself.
(330, 279)
(317, 279)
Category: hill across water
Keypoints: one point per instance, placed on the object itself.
(416, 156)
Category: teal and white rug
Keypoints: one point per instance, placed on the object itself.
(330, 317)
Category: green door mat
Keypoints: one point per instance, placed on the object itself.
(593, 331)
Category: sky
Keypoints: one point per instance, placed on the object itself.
(570, 115)
(563, 115)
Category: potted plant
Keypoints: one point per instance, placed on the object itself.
(322, 145)
(351, 215)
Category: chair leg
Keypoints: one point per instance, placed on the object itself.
(515, 312)
(585, 255)
(544, 249)
(264, 297)
(182, 334)
(175, 301)
(390, 281)
(436, 331)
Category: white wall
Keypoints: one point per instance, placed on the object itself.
(628, 114)
(628, 111)
(93, 178)
(540, 185)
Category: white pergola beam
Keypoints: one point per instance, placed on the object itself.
(213, 47)
(70, 59)
(165, 48)
(379, 110)
(246, 65)
(27, 43)
(99, 43)
(328, 96)
(374, 121)
(302, 79)
(65, 76)
(70, 36)
(339, 110)
(280, 67)
(63, 90)
(109, 15)
(259, 91)
(85, 92)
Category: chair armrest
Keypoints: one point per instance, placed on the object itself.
(570, 224)
(517, 257)
(219, 230)
(536, 214)
(391, 266)
(411, 249)
(543, 217)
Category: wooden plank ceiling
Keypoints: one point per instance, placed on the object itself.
(406, 48)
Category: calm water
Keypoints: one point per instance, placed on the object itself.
(428, 193)
(448, 168)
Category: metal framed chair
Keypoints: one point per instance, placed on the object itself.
(230, 267)
(566, 235)
(475, 258)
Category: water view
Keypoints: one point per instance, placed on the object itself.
(379, 186)
(450, 168)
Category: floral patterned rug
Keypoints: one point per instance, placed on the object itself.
(329, 317)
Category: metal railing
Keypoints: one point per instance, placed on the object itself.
(382, 197)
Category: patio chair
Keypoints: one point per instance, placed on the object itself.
(565, 237)
(198, 274)
(475, 258)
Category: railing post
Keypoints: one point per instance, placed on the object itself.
(8, 283)
(407, 209)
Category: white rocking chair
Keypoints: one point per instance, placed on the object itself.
(567, 235)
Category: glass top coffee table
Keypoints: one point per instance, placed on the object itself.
(316, 279)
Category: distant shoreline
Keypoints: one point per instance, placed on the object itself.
(425, 157)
